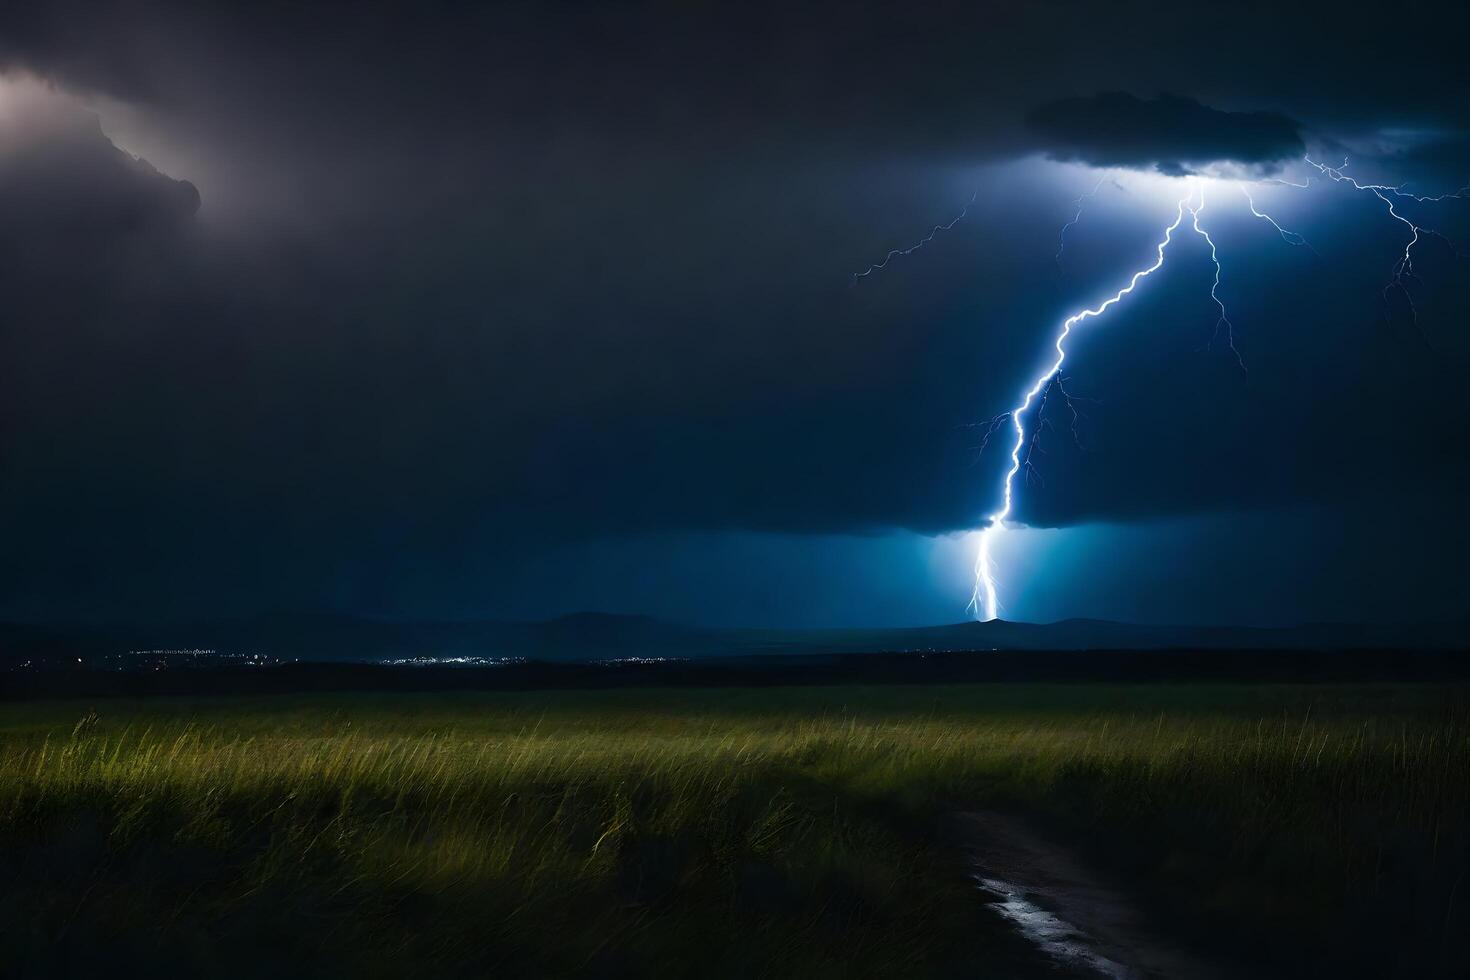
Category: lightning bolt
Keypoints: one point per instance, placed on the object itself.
(1402, 275)
(896, 252)
(1057, 384)
(1290, 237)
(1076, 217)
(1456, 195)
(1224, 318)
(983, 601)
(1397, 190)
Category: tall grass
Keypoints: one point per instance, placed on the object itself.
(730, 833)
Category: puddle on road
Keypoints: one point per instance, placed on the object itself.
(1056, 902)
(1058, 939)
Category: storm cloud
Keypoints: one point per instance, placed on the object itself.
(1175, 136)
(471, 287)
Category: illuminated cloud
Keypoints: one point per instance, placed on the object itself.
(61, 177)
(1175, 136)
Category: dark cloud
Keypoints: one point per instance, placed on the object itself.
(1176, 136)
(74, 43)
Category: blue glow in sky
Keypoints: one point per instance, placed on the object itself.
(1272, 567)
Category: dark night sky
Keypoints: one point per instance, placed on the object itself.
(518, 309)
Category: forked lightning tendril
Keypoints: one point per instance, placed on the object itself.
(1077, 206)
(1290, 237)
(1223, 320)
(1402, 275)
(896, 252)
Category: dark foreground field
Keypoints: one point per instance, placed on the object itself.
(1273, 830)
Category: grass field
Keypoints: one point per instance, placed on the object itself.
(746, 832)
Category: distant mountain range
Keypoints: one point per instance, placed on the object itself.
(597, 636)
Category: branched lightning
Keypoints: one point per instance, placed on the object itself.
(1077, 206)
(983, 601)
(1291, 183)
(1397, 190)
(1033, 445)
(1058, 385)
(990, 428)
(1456, 195)
(1223, 320)
(1025, 444)
(1402, 275)
(1290, 237)
(1403, 269)
(896, 252)
(1077, 416)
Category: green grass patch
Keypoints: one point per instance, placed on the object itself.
(719, 832)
